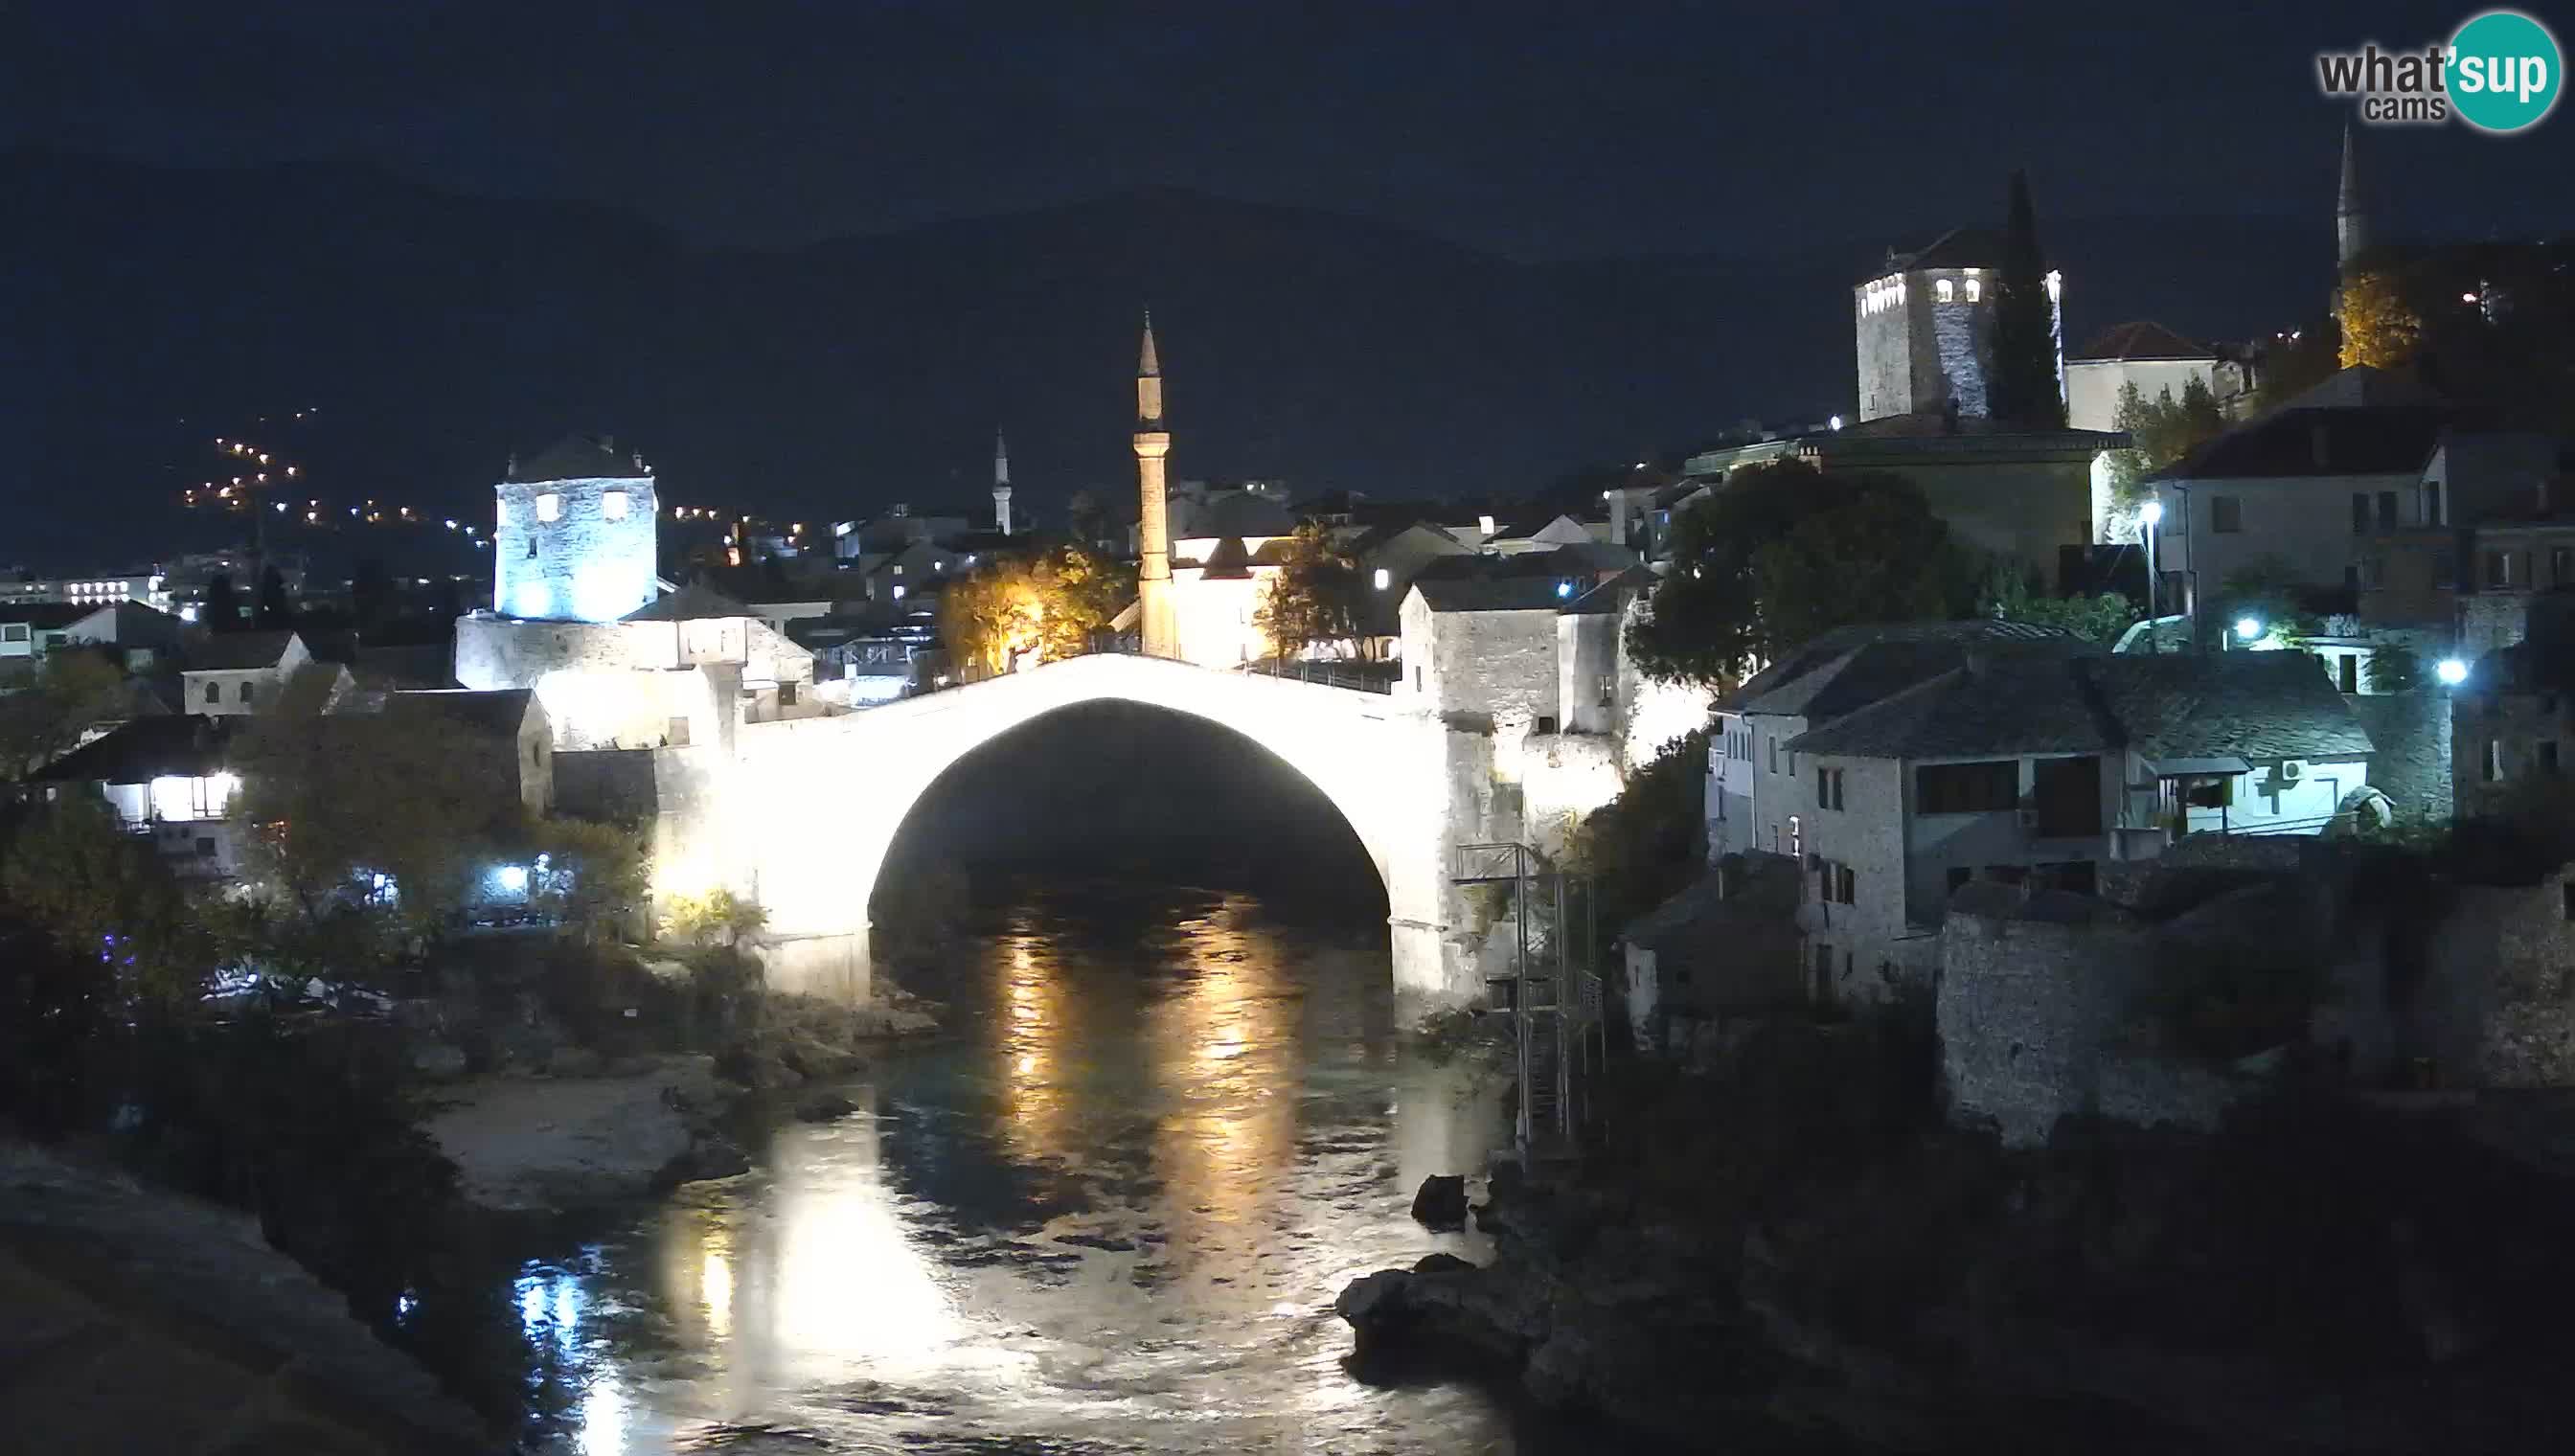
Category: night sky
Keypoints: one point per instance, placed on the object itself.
(1545, 130)
(1534, 134)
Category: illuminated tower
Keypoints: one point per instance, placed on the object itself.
(575, 535)
(2351, 223)
(1000, 483)
(1153, 522)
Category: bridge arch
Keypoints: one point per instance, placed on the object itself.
(814, 805)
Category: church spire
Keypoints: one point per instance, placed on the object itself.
(2351, 220)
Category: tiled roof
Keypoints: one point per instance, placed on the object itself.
(2375, 439)
(1226, 561)
(2257, 705)
(688, 604)
(44, 615)
(1492, 594)
(185, 747)
(579, 456)
(2142, 340)
(1901, 654)
(496, 711)
(1613, 595)
(239, 651)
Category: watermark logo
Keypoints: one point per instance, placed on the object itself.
(2500, 72)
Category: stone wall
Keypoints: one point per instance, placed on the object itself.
(2498, 1002)
(2032, 995)
(1959, 339)
(583, 564)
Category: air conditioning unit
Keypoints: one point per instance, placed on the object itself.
(2291, 770)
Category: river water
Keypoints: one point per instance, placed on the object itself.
(1108, 1213)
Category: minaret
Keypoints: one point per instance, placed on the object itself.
(1153, 521)
(1000, 483)
(2351, 222)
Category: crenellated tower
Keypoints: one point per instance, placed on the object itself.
(1159, 623)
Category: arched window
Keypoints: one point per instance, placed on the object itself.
(1975, 289)
(550, 506)
(214, 692)
(1946, 289)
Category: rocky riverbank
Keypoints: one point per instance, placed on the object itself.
(2318, 1278)
(142, 1320)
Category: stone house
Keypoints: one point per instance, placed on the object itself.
(2512, 723)
(1486, 646)
(235, 672)
(2154, 357)
(166, 778)
(1756, 802)
(2039, 769)
(1388, 557)
(1724, 947)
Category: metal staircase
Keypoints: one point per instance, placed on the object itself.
(1547, 988)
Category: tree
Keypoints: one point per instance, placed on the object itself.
(274, 609)
(74, 688)
(1316, 597)
(2102, 618)
(96, 890)
(367, 830)
(2025, 391)
(700, 918)
(2298, 361)
(2160, 433)
(2378, 327)
(1089, 523)
(221, 611)
(371, 596)
(1043, 605)
(593, 875)
(2392, 668)
(1722, 608)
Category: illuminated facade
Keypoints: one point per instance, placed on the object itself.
(1157, 612)
(575, 535)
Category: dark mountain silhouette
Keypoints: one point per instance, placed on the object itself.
(155, 308)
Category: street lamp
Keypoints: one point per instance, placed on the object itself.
(2451, 672)
(2248, 628)
(2150, 516)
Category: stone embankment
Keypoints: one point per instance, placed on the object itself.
(141, 1320)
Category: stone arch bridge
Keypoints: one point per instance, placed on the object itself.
(801, 814)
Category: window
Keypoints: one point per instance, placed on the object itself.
(2432, 504)
(2225, 514)
(2498, 569)
(2067, 795)
(2348, 665)
(2213, 791)
(1975, 289)
(1828, 788)
(550, 506)
(2387, 510)
(1958, 788)
(1609, 690)
(2490, 766)
(1849, 883)
(2547, 755)
(2359, 512)
(1774, 756)
(214, 692)
(1544, 726)
(786, 694)
(1383, 577)
(1416, 680)
(612, 505)
(204, 848)
(13, 632)
(676, 732)
(247, 690)
(2561, 566)
(1797, 838)
(1946, 289)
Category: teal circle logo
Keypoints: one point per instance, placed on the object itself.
(2504, 72)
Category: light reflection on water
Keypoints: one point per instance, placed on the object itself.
(1110, 1214)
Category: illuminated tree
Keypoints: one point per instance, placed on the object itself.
(1315, 598)
(2161, 431)
(2378, 327)
(700, 918)
(1040, 607)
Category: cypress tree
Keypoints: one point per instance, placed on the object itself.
(2022, 383)
(222, 608)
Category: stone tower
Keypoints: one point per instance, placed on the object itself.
(1000, 483)
(2351, 220)
(1923, 325)
(575, 534)
(1161, 625)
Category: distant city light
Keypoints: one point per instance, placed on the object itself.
(2248, 628)
(2451, 672)
(1565, 589)
(1383, 578)
(1836, 422)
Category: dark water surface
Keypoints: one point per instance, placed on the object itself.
(1109, 1213)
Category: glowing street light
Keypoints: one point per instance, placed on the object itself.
(2451, 672)
(2150, 516)
(2248, 628)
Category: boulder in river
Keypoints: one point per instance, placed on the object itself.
(1440, 1203)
